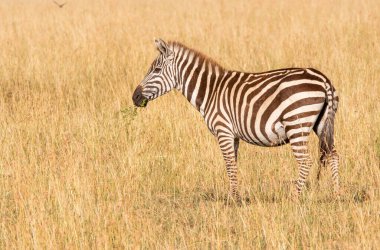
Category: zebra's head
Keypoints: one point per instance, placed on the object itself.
(160, 77)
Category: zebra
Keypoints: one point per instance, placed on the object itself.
(267, 109)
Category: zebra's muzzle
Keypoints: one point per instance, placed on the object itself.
(138, 99)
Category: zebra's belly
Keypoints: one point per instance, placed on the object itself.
(276, 137)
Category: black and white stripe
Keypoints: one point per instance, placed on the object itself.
(266, 109)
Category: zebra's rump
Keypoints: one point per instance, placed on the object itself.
(278, 107)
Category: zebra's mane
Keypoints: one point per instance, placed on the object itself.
(196, 53)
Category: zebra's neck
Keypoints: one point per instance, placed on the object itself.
(196, 76)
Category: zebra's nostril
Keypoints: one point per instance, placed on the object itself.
(138, 97)
(137, 94)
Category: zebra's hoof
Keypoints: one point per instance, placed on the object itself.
(295, 196)
(233, 199)
(338, 195)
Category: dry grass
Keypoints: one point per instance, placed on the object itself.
(79, 168)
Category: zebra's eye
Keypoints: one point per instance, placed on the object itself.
(157, 70)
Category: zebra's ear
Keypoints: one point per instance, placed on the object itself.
(163, 47)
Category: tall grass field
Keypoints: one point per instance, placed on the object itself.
(81, 168)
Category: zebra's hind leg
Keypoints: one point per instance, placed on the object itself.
(329, 156)
(333, 162)
(229, 147)
(298, 138)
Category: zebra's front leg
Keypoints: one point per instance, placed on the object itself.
(229, 146)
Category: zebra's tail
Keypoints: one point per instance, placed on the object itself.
(326, 136)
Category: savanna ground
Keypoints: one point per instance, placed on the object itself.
(80, 168)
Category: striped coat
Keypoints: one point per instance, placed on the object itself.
(267, 109)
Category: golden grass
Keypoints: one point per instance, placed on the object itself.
(80, 169)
